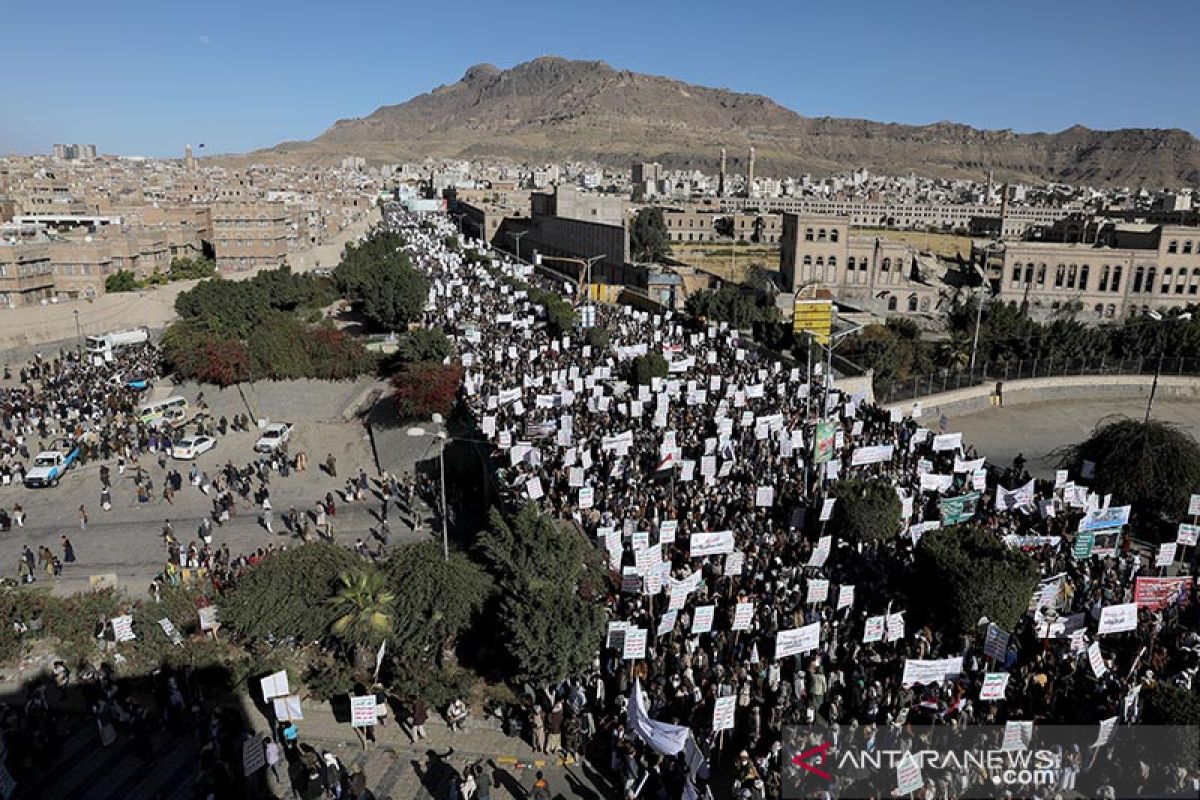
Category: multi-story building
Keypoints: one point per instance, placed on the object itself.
(249, 235)
(81, 264)
(26, 274)
(870, 272)
(1129, 268)
(712, 226)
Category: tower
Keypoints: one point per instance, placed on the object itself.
(189, 161)
(750, 175)
(721, 176)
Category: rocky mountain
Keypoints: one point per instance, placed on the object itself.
(555, 109)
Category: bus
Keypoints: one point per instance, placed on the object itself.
(172, 410)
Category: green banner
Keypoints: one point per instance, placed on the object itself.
(958, 509)
(1084, 542)
(823, 440)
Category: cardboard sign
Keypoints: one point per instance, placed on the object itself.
(1096, 659)
(723, 713)
(818, 591)
(208, 618)
(873, 630)
(845, 597)
(995, 645)
(362, 711)
(995, 684)
(1166, 554)
(710, 543)
(288, 708)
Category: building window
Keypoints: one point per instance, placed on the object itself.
(892, 303)
(1194, 283)
(851, 264)
(1041, 275)
(924, 303)
(1139, 277)
(1150, 273)
(1112, 310)
(820, 234)
(1180, 281)
(1099, 309)
(887, 265)
(808, 261)
(912, 302)
(833, 261)
(1173, 247)
(1116, 281)
(1028, 274)
(1187, 247)
(1016, 275)
(833, 235)
(1060, 272)
(808, 234)
(1166, 284)
(820, 261)
(1083, 277)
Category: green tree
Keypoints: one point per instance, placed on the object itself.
(865, 510)
(645, 368)
(598, 338)
(1152, 466)
(364, 607)
(436, 600)
(422, 345)
(1170, 705)
(964, 573)
(277, 348)
(288, 593)
(121, 281)
(183, 269)
(741, 307)
(555, 629)
(648, 239)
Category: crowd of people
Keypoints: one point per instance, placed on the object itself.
(706, 490)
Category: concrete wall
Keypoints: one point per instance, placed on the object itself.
(1065, 389)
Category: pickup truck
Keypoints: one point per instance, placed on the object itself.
(50, 465)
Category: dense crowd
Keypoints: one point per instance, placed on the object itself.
(732, 455)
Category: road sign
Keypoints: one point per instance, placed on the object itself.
(815, 317)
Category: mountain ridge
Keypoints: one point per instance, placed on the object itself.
(555, 109)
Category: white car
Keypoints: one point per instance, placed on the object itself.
(273, 435)
(191, 446)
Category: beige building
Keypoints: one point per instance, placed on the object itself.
(81, 264)
(1129, 268)
(26, 274)
(248, 235)
(870, 272)
(712, 226)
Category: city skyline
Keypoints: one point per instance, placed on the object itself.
(238, 79)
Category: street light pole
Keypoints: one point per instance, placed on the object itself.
(78, 329)
(975, 341)
(516, 237)
(1154, 315)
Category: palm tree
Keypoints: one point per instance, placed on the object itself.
(364, 607)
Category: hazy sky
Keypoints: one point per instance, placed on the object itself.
(148, 76)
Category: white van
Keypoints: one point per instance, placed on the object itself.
(172, 410)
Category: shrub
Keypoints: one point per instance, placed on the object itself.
(183, 269)
(121, 281)
(645, 368)
(865, 510)
(422, 390)
(422, 345)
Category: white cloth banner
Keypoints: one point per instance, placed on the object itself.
(875, 454)
(798, 640)
(930, 671)
(710, 543)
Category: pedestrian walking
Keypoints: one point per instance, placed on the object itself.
(83, 518)
(331, 465)
(68, 550)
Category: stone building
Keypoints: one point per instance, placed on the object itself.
(249, 235)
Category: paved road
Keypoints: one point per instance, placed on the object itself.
(1038, 429)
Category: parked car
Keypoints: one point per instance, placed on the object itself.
(273, 435)
(189, 447)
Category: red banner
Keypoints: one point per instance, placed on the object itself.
(1156, 593)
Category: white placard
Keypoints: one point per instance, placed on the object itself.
(1194, 505)
(1118, 618)
(1166, 554)
(710, 543)
(208, 618)
(827, 509)
(723, 713)
(1107, 726)
(635, 644)
(743, 614)
(667, 530)
(764, 497)
(818, 591)
(1017, 735)
(734, 563)
(908, 775)
(1096, 659)
(994, 686)
(947, 441)
(798, 640)
(123, 628)
(702, 622)
(362, 711)
(587, 497)
(275, 685)
(1187, 534)
(930, 671)
(845, 597)
(171, 631)
(873, 629)
(288, 707)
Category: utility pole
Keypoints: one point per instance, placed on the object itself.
(78, 329)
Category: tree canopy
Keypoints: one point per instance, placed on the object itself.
(540, 566)
(648, 239)
(288, 593)
(379, 277)
(865, 510)
(965, 572)
(741, 307)
(1152, 466)
(645, 369)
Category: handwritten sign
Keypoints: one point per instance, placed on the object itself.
(994, 686)
(362, 711)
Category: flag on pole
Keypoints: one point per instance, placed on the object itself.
(379, 657)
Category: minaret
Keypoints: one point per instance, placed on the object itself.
(750, 175)
(721, 176)
(189, 162)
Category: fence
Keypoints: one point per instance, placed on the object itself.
(992, 372)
